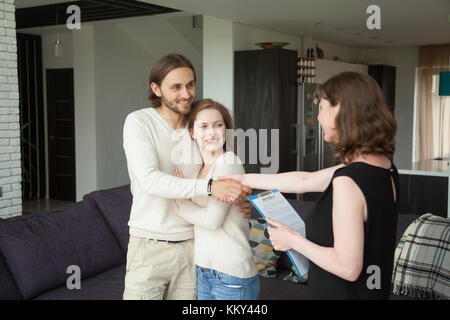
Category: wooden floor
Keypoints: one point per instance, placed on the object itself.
(40, 205)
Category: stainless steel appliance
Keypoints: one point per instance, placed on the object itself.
(313, 152)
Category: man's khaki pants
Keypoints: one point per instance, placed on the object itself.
(160, 270)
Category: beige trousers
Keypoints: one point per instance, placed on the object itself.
(160, 270)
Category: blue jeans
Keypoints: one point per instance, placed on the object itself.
(215, 285)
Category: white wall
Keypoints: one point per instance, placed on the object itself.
(245, 37)
(330, 50)
(10, 165)
(220, 39)
(85, 91)
(325, 69)
(48, 37)
(125, 51)
(405, 60)
(218, 62)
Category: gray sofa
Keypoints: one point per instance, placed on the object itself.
(37, 249)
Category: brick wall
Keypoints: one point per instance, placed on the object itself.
(10, 164)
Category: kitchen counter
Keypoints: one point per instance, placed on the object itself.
(425, 187)
(426, 168)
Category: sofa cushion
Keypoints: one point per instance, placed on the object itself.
(115, 206)
(108, 285)
(277, 289)
(293, 276)
(38, 248)
(303, 208)
(264, 255)
(403, 221)
(8, 287)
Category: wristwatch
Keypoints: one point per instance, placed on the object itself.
(209, 187)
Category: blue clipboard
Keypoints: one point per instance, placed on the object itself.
(267, 194)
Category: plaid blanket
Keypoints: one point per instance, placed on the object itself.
(422, 259)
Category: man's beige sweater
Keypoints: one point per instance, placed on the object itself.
(153, 149)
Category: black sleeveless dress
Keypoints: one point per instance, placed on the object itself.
(379, 234)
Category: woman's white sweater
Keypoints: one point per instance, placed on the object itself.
(221, 233)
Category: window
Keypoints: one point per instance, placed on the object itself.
(432, 133)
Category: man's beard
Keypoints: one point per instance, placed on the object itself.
(173, 107)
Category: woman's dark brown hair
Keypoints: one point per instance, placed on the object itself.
(203, 104)
(161, 68)
(364, 124)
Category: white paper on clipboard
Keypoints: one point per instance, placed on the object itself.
(273, 205)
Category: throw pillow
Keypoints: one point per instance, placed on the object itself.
(293, 276)
(264, 254)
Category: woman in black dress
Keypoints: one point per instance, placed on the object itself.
(350, 235)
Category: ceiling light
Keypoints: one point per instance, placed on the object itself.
(57, 46)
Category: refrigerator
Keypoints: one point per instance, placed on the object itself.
(267, 95)
(313, 153)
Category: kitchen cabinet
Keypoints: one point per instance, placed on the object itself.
(385, 77)
(265, 97)
(424, 188)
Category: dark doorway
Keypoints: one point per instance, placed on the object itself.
(61, 134)
(32, 143)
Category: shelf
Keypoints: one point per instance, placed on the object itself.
(306, 58)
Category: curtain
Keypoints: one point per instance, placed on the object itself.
(433, 111)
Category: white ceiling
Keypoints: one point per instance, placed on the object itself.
(403, 23)
(32, 3)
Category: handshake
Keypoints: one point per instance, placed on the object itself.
(227, 189)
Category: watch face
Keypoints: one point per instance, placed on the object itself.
(209, 187)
